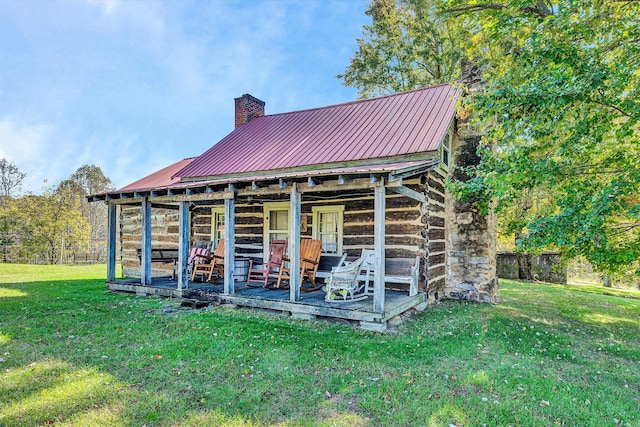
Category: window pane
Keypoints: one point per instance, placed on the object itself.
(330, 243)
(278, 220)
(277, 236)
(328, 222)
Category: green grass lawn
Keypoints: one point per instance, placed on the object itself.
(547, 355)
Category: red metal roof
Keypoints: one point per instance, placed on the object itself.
(400, 124)
(162, 178)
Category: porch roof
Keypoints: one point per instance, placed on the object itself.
(161, 183)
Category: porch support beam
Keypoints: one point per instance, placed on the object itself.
(412, 194)
(183, 245)
(229, 245)
(112, 211)
(294, 243)
(145, 258)
(378, 246)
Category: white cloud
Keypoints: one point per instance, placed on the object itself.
(25, 146)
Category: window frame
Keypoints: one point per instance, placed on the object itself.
(216, 211)
(445, 150)
(266, 230)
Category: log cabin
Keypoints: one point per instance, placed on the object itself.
(369, 174)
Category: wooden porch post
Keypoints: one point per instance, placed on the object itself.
(229, 245)
(183, 245)
(294, 243)
(378, 246)
(145, 259)
(111, 242)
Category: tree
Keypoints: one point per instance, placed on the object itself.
(564, 116)
(561, 110)
(86, 180)
(407, 46)
(10, 179)
(48, 224)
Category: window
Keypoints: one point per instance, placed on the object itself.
(217, 224)
(445, 151)
(327, 226)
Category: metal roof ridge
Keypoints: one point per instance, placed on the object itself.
(453, 85)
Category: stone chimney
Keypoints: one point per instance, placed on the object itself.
(247, 109)
(471, 237)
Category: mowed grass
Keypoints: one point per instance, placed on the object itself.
(73, 354)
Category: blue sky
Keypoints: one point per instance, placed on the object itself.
(135, 85)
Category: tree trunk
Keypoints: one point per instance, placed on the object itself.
(607, 281)
(524, 266)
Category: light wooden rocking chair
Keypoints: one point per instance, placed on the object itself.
(261, 272)
(208, 264)
(310, 251)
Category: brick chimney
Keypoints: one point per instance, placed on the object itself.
(248, 108)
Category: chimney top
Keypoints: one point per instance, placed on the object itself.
(248, 108)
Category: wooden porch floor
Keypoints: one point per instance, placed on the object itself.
(310, 305)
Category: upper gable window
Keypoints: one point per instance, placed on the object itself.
(445, 151)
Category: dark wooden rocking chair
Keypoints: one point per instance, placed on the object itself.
(310, 251)
(208, 264)
(262, 273)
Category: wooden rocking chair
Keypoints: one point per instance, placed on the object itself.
(208, 264)
(310, 251)
(199, 247)
(260, 272)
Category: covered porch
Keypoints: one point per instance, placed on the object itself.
(376, 182)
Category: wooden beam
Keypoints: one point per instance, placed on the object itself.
(229, 246)
(313, 181)
(145, 259)
(183, 245)
(295, 199)
(378, 246)
(283, 183)
(111, 242)
(344, 179)
(412, 194)
(419, 169)
(158, 193)
(231, 187)
(175, 198)
(164, 206)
